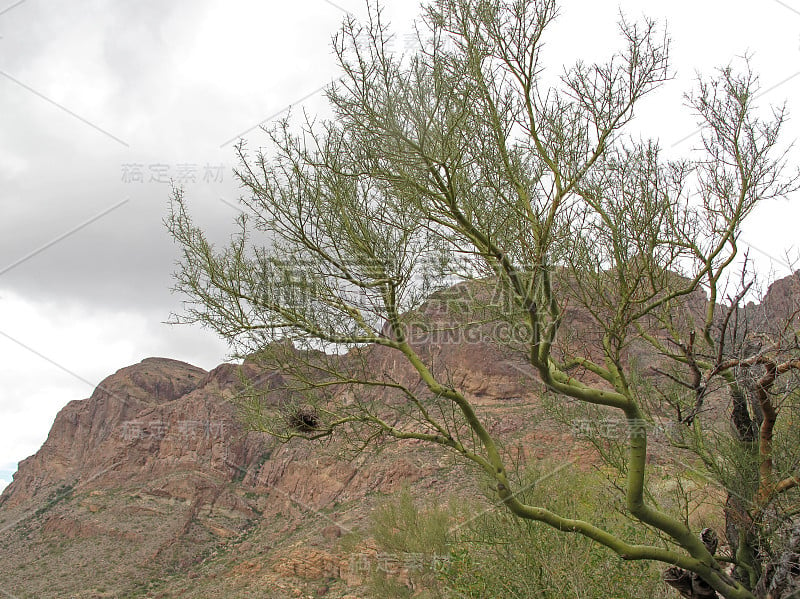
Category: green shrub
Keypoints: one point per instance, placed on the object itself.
(477, 550)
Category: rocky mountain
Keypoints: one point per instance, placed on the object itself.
(152, 487)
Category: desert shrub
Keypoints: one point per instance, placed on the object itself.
(412, 537)
(476, 550)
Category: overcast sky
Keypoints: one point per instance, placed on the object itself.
(104, 102)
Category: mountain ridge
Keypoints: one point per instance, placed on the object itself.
(155, 473)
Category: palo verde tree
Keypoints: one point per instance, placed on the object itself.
(461, 162)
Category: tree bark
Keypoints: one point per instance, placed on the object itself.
(689, 584)
(781, 579)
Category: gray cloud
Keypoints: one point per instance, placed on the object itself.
(172, 81)
(167, 86)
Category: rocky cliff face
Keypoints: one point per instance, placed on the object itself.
(156, 417)
(153, 483)
(154, 473)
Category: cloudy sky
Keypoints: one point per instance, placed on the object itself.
(104, 102)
